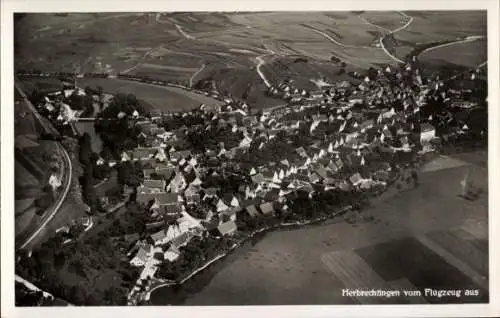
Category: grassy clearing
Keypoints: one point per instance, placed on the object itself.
(164, 74)
(388, 20)
(41, 84)
(443, 25)
(24, 122)
(469, 54)
(225, 41)
(302, 73)
(158, 97)
(169, 67)
(24, 179)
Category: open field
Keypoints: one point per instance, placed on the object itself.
(25, 219)
(41, 84)
(386, 20)
(23, 177)
(430, 26)
(155, 96)
(174, 46)
(469, 54)
(24, 123)
(127, 39)
(419, 238)
(71, 209)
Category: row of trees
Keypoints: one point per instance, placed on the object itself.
(115, 126)
(86, 258)
(194, 255)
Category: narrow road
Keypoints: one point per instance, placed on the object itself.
(381, 40)
(332, 39)
(141, 59)
(467, 39)
(181, 31)
(32, 287)
(179, 28)
(67, 172)
(482, 64)
(261, 62)
(328, 37)
(158, 16)
(47, 128)
(407, 24)
(375, 25)
(196, 74)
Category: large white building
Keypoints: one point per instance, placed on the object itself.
(427, 133)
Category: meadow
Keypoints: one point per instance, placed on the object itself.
(223, 47)
(153, 96)
(469, 54)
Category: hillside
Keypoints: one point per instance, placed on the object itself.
(226, 48)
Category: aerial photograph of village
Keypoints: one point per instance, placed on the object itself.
(251, 158)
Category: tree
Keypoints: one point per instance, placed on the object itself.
(85, 149)
(130, 174)
(372, 73)
(59, 261)
(76, 295)
(335, 59)
(88, 190)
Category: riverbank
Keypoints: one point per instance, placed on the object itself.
(381, 221)
(160, 283)
(394, 188)
(177, 292)
(297, 267)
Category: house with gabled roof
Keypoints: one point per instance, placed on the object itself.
(140, 258)
(252, 211)
(221, 206)
(272, 195)
(143, 153)
(356, 179)
(148, 172)
(165, 173)
(301, 152)
(367, 124)
(267, 208)
(171, 254)
(258, 178)
(125, 157)
(177, 156)
(229, 214)
(224, 229)
(321, 171)
(181, 240)
(235, 202)
(210, 192)
(178, 183)
(154, 184)
(165, 198)
(172, 209)
(427, 133)
(314, 178)
(145, 197)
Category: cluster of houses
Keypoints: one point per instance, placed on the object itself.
(62, 113)
(288, 92)
(340, 155)
(343, 127)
